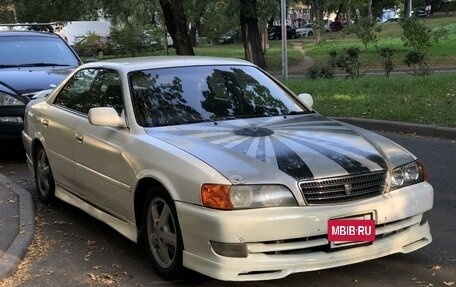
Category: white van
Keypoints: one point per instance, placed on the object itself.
(72, 31)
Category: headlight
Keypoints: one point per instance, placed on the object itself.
(407, 175)
(7, 100)
(246, 196)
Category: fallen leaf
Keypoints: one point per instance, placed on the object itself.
(451, 283)
(436, 267)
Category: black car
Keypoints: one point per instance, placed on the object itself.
(275, 33)
(29, 62)
(229, 37)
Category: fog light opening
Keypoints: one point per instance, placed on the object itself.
(424, 218)
(229, 249)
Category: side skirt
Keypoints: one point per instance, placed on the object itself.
(126, 228)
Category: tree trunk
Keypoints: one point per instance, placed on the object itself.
(196, 26)
(317, 6)
(264, 37)
(176, 23)
(250, 33)
(369, 8)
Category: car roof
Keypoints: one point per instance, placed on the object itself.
(16, 33)
(154, 62)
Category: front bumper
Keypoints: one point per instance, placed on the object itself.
(11, 130)
(281, 241)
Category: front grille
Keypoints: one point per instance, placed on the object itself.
(343, 189)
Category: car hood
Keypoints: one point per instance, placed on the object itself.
(30, 80)
(303, 147)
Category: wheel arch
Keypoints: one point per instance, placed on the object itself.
(36, 143)
(144, 189)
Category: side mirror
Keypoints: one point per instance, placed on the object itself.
(105, 116)
(306, 99)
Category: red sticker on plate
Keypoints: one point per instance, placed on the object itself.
(351, 230)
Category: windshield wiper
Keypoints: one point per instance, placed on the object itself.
(292, 113)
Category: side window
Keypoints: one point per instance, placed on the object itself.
(73, 94)
(106, 91)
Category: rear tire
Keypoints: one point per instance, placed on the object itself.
(162, 235)
(44, 180)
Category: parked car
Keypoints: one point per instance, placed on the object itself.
(275, 33)
(336, 26)
(29, 62)
(420, 12)
(307, 30)
(229, 37)
(95, 45)
(218, 167)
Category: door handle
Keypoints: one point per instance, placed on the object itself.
(45, 123)
(79, 138)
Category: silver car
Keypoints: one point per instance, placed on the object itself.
(219, 168)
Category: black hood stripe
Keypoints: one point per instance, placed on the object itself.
(244, 146)
(290, 162)
(349, 164)
(374, 157)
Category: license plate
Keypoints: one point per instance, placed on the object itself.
(353, 230)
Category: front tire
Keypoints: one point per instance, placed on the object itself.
(162, 235)
(44, 180)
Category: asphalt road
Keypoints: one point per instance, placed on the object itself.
(73, 249)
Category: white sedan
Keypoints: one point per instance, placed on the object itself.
(308, 30)
(219, 168)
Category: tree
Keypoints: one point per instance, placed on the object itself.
(250, 33)
(419, 38)
(176, 23)
(318, 7)
(195, 11)
(53, 11)
(7, 12)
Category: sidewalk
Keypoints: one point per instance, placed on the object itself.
(17, 223)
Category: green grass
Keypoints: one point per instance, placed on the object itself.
(273, 55)
(442, 54)
(426, 100)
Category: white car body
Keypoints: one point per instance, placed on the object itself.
(108, 165)
(308, 30)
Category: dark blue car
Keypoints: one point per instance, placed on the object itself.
(29, 62)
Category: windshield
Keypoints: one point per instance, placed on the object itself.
(182, 95)
(35, 51)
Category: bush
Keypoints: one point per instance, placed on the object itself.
(417, 61)
(348, 61)
(387, 55)
(319, 71)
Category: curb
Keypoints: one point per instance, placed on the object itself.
(400, 127)
(16, 252)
